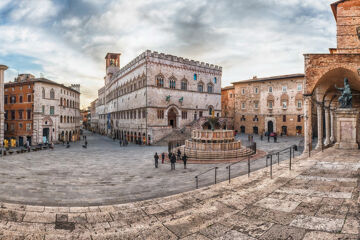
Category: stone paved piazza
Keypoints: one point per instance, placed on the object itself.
(104, 173)
(317, 199)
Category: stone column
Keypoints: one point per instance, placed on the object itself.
(332, 128)
(320, 127)
(307, 123)
(2, 69)
(327, 126)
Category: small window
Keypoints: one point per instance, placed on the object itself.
(284, 104)
(242, 105)
(184, 114)
(215, 80)
(243, 91)
(299, 118)
(284, 88)
(195, 76)
(200, 87)
(28, 127)
(20, 99)
(12, 114)
(5, 99)
(159, 81)
(210, 111)
(243, 118)
(210, 88)
(256, 105)
(270, 104)
(299, 104)
(52, 94)
(20, 126)
(255, 119)
(299, 87)
(172, 83)
(256, 90)
(20, 114)
(183, 85)
(200, 113)
(43, 109)
(160, 114)
(230, 95)
(52, 110)
(29, 97)
(270, 89)
(13, 99)
(28, 114)
(43, 92)
(284, 118)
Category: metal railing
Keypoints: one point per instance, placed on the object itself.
(291, 150)
(252, 147)
(269, 157)
(197, 176)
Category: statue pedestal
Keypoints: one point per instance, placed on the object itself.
(346, 128)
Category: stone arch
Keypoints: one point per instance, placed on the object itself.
(52, 94)
(173, 116)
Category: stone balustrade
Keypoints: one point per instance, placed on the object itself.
(213, 136)
(221, 146)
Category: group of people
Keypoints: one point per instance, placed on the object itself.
(172, 157)
(123, 142)
(269, 135)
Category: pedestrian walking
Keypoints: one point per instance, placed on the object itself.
(173, 161)
(120, 142)
(162, 158)
(275, 137)
(67, 144)
(178, 153)
(268, 135)
(184, 158)
(156, 157)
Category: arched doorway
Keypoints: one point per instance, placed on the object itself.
(242, 129)
(270, 126)
(284, 130)
(255, 130)
(172, 118)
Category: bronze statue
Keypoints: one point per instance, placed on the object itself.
(345, 99)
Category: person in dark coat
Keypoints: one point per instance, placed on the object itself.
(162, 158)
(67, 144)
(268, 135)
(178, 153)
(184, 158)
(156, 157)
(173, 161)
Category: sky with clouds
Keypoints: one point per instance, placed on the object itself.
(67, 40)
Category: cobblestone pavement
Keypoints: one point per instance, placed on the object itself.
(105, 173)
(317, 199)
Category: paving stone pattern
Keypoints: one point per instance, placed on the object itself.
(104, 173)
(305, 203)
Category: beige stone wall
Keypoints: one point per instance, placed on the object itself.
(2, 119)
(44, 119)
(133, 88)
(264, 114)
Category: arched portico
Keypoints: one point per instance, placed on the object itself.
(321, 106)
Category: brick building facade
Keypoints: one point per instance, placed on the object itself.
(40, 110)
(156, 94)
(273, 104)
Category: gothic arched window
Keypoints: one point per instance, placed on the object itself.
(159, 81)
(43, 92)
(172, 83)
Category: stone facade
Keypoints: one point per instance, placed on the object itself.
(228, 102)
(325, 71)
(273, 104)
(40, 110)
(156, 94)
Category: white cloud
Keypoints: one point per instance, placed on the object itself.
(257, 37)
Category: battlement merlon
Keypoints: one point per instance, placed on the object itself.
(154, 54)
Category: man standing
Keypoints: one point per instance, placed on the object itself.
(162, 158)
(184, 158)
(178, 153)
(156, 157)
(173, 161)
